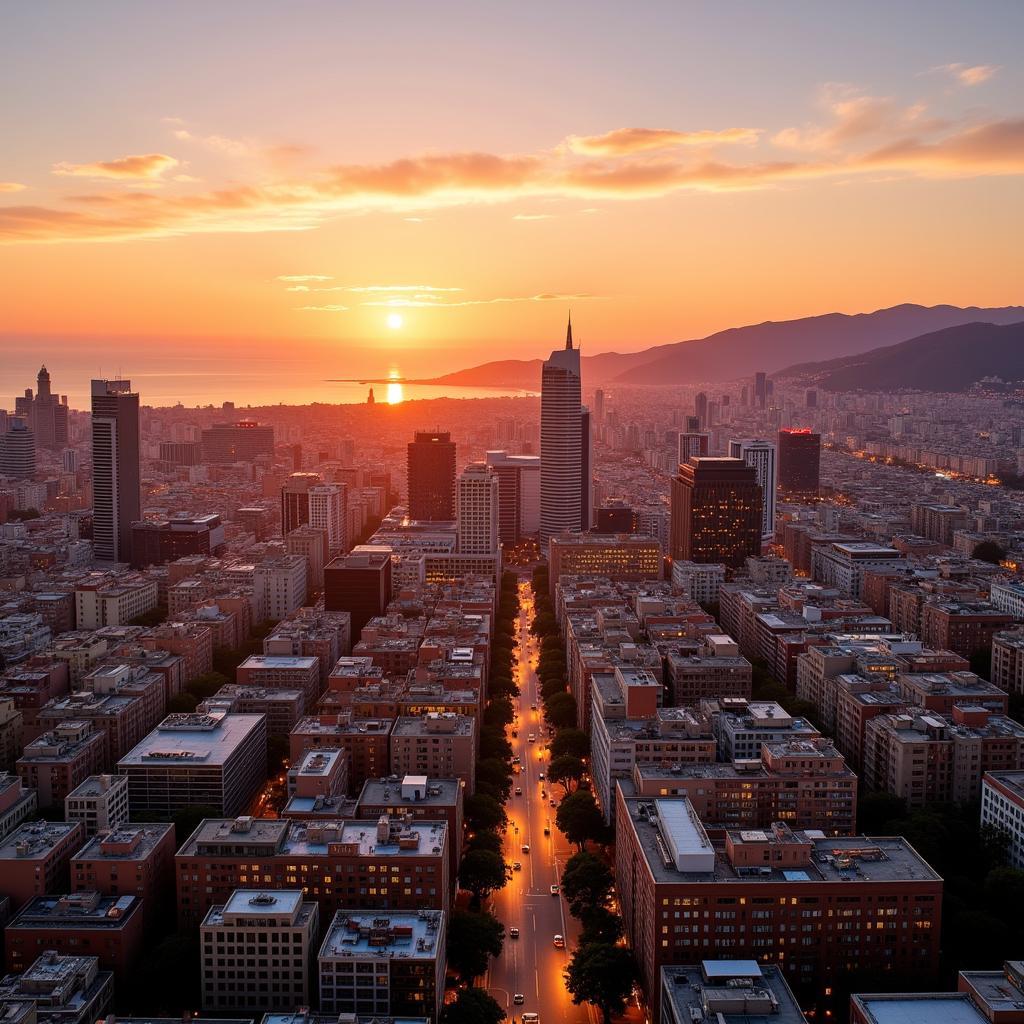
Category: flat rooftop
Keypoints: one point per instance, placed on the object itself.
(379, 934)
(388, 793)
(77, 910)
(1011, 780)
(40, 837)
(758, 993)
(923, 1008)
(446, 723)
(281, 662)
(286, 904)
(127, 842)
(889, 859)
(185, 739)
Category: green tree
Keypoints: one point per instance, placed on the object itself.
(587, 883)
(560, 710)
(603, 975)
(499, 713)
(601, 925)
(473, 1006)
(481, 872)
(566, 770)
(989, 551)
(485, 841)
(483, 813)
(579, 817)
(570, 741)
(494, 774)
(473, 938)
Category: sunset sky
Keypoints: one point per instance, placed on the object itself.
(274, 180)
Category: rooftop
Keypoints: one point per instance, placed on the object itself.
(740, 991)
(184, 738)
(280, 662)
(284, 905)
(394, 791)
(77, 910)
(379, 934)
(36, 839)
(126, 842)
(920, 1008)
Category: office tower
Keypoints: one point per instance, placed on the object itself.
(295, 500)
(45, 414)
(477, 510)
(116, 473)
(561, 457)
(692, 446)
(587, 479)
(431, 476)
(518, 494)
(700, 408)
(599, 406)
(799, 461)
(296, 450)
(762, 456)
(716, 512)
(327, 504)
(18, 451)
(616, 516)
(760, 389)
(69, 460)
(811, 398)
(691, 425)
(244, 441)
(359, 583)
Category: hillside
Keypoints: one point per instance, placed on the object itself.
(948, 360)
(740, 351)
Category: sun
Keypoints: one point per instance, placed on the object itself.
(395, 321)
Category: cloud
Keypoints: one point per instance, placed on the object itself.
(126, 168)
(12, 186)
(218, 143)
(533, 216)
(304, 277)
(424, 302)
(623, 141)
(323, 309)
(401, 288)
(994, 148)
(306, 288)
(969, 74)
(852, 115)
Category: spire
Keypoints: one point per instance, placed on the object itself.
(568, 334)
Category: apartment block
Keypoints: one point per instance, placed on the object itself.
(100, 803)
(716, 670)
(283, 671)
(317, 785)
(282, 707)
(60, 760)
(364, 740)
(1007, 666)
(35, 859)
(16, 803)
(57, 989)
(110, 603)
(437, 745)
(1002, 806)
(728, 992)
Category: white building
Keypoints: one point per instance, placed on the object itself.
(762, 456)
(699, 581)
(476, 510)
(108, 603)
(1002, 805)
(841, 565)
(258, 951)
(1008, 596)
(327, 512)
(561, 443)
(280, 586)
(100, 803)
(518, 494)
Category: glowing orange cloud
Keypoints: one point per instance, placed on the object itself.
(623, 141)
(969, 74)
(11, 186)
(147, 166)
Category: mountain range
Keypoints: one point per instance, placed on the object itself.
(741, 351)
(948, 360)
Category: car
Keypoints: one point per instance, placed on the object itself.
(519, 790)
(526, 847)
(531, 738)
(517, 866)
(516, 759)
(554, 890)
(531, 1018)
(543, 792)
(513, 933)
(519, 999)
(533, 707)
(547, 830)
(540, 776)
(559, 942)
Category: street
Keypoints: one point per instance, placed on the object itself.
(531, 964)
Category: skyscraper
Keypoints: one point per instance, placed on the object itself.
(799, 461)
(46, 414)
(762, 456)
(477, 509)
(18, 451)
(691, 446)
(431, 472)
(760, 389)
(700, 408)
(587, 477)
(327, 504)
(518, 494)
(561, 443)
(116, 473)
(244, 441)
(599, 406)
(716, 512)
(295, 500)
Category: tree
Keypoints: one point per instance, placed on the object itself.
(566, 770)
(484, 813)
(570, 741)
(473, 1006)
(485, 841)
(500, 712)
(481, 872)
(601, 925)
(494, 774)
(560, 710)
(587, 883)
(989, 551)
(472, 938)
(601, 974)
(579, 817)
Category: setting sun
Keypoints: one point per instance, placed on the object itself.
(394, 321)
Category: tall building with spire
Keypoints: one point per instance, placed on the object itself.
(45, 413)
(116, 472)
(561, 443)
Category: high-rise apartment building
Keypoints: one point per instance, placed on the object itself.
(799, 461)
(716, 512)
(18, 451)
(762, 456)
(45, 413)
(561, 443)
(295, 500)
(116, 474)
(518, 494)
(700, 409)
(431, 473)
(327, 503)
(693, 445)
(477, 508)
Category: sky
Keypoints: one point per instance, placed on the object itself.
(433, 185)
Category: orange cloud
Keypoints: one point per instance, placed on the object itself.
(12, 186)
(624, 141)
(969, 74)
(995, 148)
(145, 167)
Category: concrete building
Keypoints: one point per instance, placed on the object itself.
(685, 897)
(477, 510)
(116, 473)
(763, 457)
(359, 583)
(212, 760)
(364, 741)
(108, 602)
(742, 727)
(317, 786)
(698, 582)
(1002, 806)
(244, 441)
(17, 803)
(964, 627)
(282, 671)
(518, 494)
(384, 964)
(616, 556)
(395, 863)
(842, 564)
(441, 745)
(158, 541)
(431, 476)
(327, 504)
(281, 707)
(727, 991)
(280, 586)
(58, 761)
(258, 951)
(100, 803)
(58, 989)
(35, 859)
(799, 462)
(717, 669)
